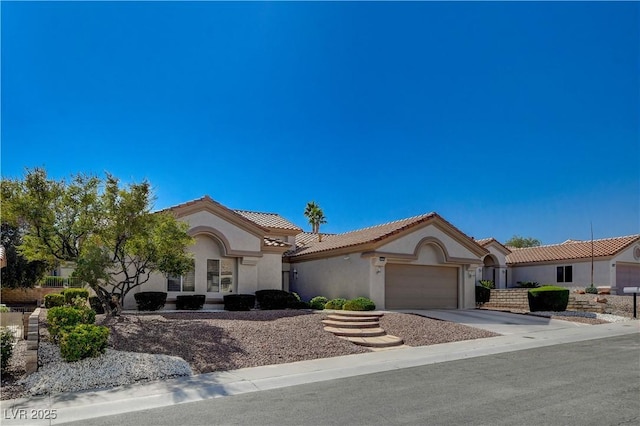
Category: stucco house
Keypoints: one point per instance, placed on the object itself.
(494, 264)
(422, 262)
(235, 251)
(616, 263)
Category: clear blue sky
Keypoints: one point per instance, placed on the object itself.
(505, 118)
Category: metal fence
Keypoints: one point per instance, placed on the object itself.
(60, 282)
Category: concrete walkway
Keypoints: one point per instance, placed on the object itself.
(83, 405)
(504, 323)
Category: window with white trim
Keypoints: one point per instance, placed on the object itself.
(186, 282)
(220, 275)
(564, 274)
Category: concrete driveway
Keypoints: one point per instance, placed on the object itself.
(499, 322)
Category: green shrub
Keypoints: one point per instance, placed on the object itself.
(150, 300)
(274, 299)
(62, 318)
(591, 290)
(83, 341)
(548, 298)
(239, 302)
(191, 302)
(298, 304)
(487, 284)
(335, 303)
(71, 293)
(483, 294)
(54, 299)
(318, 302)
(528, 284)
(359, 304)
(6, 347)
(4, 308)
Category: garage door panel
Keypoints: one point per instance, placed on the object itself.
(627, 275)
(421, 287)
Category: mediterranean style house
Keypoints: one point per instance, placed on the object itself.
(422, 262)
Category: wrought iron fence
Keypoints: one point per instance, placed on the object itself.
(59, 282)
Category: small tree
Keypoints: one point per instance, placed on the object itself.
(19, 272)
(522, 242)
(107, 230)
(315, 215)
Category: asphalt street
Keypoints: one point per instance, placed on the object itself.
(594, 382)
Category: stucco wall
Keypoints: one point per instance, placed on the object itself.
(331, 277)
(408, 243)
(239, 239)
(546, 273)
(270, 272)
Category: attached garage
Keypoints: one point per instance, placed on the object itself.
(627, 275)
(421, 287)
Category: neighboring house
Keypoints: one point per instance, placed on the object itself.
(616, 263)
(422, 262)
(234, 252)
(494, 266)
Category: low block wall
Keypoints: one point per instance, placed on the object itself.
(33, 340)
(26, 295)
(516, 298)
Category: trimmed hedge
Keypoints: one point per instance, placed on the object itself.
(335, 303)
(299, 304)
(72, 293)
(190, 302)
(275, 299)
(548, 298)
(63, 318)
(318, 302)
(483, 294)
(6, 347)
(54, 299)
(239, 302)
(150, 300)
(83, 341)
(359, 304)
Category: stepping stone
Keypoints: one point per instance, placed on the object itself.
(358, 314)
(356, 332)
(335, 317)
(385, 341)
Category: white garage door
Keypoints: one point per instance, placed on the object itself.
(421, 287)
(627, 275)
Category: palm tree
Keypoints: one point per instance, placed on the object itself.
(314, 213)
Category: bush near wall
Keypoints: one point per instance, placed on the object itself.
(191, 302)
(275, 299)
(83, 341)
(71, 293)
(359, 304)
(318, 302)
(483, 295)
(6, 347)
(150, 300)
(239, 302)
(62, 318)
(548, 298)
(337, 303)
(54, 299)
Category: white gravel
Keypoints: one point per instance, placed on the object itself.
(113, 368)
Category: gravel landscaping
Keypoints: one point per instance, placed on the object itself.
(156, 345)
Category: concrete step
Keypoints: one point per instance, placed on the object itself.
(358, 313)
(386, 341)
(350, 324)
(356, 332)
(335, 317)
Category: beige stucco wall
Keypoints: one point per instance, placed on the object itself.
(238, 238)
(331, 277)
(270, 272)
(500, 268)
(408, 243)
(546, 273)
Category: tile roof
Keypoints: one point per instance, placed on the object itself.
(268, 220)
(571, 249)
(307, 243)
(484, 242)
(274, 242)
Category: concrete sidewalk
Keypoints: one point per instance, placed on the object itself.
(83, 405)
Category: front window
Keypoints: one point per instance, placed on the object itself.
(564, 274)
(220, 275)
(186, 282)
